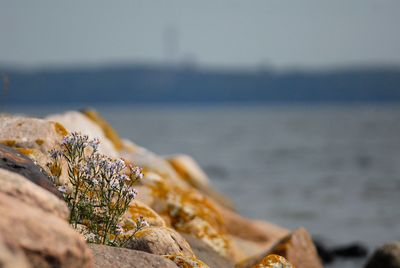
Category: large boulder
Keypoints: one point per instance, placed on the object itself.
(387, 256)
(111, 257)
(45, 239)
(31, 194)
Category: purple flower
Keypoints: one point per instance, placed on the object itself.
(55, 153)
(118, 229)
(114, 183)
(63, 189)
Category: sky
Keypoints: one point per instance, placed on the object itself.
(279, 34)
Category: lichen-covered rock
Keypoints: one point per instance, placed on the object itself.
(22, 189)
(111, 257)
(15, 161)
(138, 209)
(107, 129)
(188, 169)
(186, 262)
(45, 239)
(207, 254)
(78, 122)
(31, 133)
(298, 248)
(11, 256)
(387, 256)
(189, 211)
(273, 261)
(160, 241)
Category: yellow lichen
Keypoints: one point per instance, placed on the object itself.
(273, 261)
(9, 143)
(25, 151)
(108, 131)
(60, 129)
(39, 141)
(186, 262)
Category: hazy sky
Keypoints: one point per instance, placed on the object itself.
(279, 33)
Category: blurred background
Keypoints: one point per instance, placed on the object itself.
(292, 108)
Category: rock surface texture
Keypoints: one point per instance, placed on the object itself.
(45, 239)
(112, 257)
(18, 187)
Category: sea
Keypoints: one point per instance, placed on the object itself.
(334, 169)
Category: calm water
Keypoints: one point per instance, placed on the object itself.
(334, 170)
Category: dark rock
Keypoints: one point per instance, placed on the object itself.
(330, 254)
(387, 256)
(355, 250)
(14, 161)
(112, 257)
(205, 253)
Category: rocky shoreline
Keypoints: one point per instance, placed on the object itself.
(191, 225)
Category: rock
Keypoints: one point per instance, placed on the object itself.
(111, 257)
(205, 253)
(108, 130)
(160, 241)
(14, 161)
(137, 209)
(186, 262)
(46, 240)
(78, 122)
(31, 133)
(252, 230)
(273, 261)
(188, 169)
(154, 163)
(11, 256)
(297, 248)
(386, 256)
(22, 189)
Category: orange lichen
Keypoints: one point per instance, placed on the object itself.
(186, 262)
(189, 211)
(272, 261)
(60, 129)
(9, 143)
(39, 141)
(25, 151)
(108, 131)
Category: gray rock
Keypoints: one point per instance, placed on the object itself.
(387, 256)
(111, 257)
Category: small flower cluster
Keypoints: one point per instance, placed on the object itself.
(100, 189)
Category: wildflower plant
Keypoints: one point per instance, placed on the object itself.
(99, 190)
